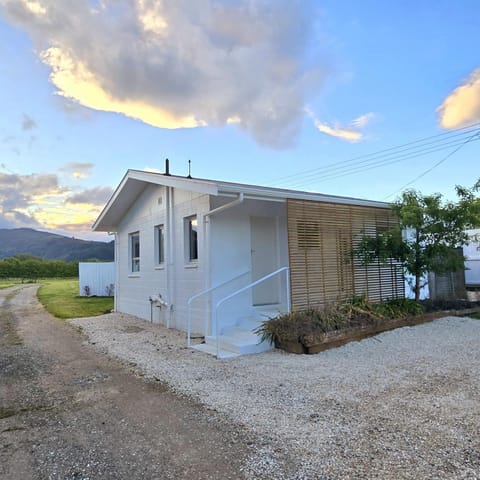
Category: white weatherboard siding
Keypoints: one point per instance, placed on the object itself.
(99, 277)
(189, 278)
(135, 288)
(472, 262)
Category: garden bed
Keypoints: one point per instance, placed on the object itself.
(363, 323)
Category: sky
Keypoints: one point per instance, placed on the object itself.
(358, 99)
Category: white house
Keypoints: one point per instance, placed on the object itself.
(471, 251)
(214, 258)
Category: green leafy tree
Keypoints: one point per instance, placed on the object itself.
(428, 234)
(26, 266)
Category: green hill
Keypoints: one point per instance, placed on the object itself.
(52, 246)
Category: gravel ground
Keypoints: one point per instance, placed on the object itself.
(401, 405)
(70, 413)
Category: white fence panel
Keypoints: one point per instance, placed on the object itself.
(96, 278)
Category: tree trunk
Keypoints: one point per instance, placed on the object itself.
(417, 287)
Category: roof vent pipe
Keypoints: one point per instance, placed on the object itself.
(167, 167)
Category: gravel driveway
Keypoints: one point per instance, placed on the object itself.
(402, 405)
(70, 413)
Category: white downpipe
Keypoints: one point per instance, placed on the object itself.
(289, 300)
(172, 257)
(231, 204)
(169, 260)
(208, 277)
(247, 287)
(117, 270)
(167, 247)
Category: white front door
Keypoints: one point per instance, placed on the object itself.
(264, 259)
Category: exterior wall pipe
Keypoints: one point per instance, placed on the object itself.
(168, 260)
(231, 204)
(171, 299)
(117, 269)
(167, 242)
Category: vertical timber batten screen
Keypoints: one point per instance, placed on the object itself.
(321, 237)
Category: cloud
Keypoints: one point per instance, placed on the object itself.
(20, 194)
(39, 201)
(181, 64)
(94, 196)
(17, 220)
(362, 120)
(351, 133)
(19, 191)
(77, 169)
(28, 123)
(344, 133)
(462, 106)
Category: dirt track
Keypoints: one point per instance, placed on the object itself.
(67, 412)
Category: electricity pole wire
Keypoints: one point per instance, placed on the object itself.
(468, 140)
(383, 157)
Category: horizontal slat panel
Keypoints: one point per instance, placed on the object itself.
(321, 237)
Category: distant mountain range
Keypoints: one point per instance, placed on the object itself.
(52, 246)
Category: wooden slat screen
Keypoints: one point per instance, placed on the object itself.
(321, 237)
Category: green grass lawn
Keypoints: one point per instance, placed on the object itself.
(61, 298)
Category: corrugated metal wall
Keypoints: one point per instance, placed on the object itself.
(96, 278)
(321, 237)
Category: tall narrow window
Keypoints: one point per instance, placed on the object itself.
(135, 252)
(191, 238)
(159, 245)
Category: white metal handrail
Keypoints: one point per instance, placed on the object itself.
(198, 295)
(241, 290)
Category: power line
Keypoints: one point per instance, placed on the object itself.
(378, 159)
(366, 166)
(472, 138)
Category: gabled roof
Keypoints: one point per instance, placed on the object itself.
(134, 182)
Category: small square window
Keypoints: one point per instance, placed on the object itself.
(159, 244)
(134, 247)
(191, 238)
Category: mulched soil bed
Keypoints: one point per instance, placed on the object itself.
(365, 327)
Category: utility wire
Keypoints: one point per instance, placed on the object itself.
(350, 170)
(468, 140)
(383, 157)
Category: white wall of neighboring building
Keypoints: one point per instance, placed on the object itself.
(96, 278)
(472, 262)
(410, 293)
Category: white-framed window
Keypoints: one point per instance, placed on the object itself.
(134, 251)
(191, 238)
(159, 245)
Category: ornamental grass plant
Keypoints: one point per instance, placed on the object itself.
(311, 325)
